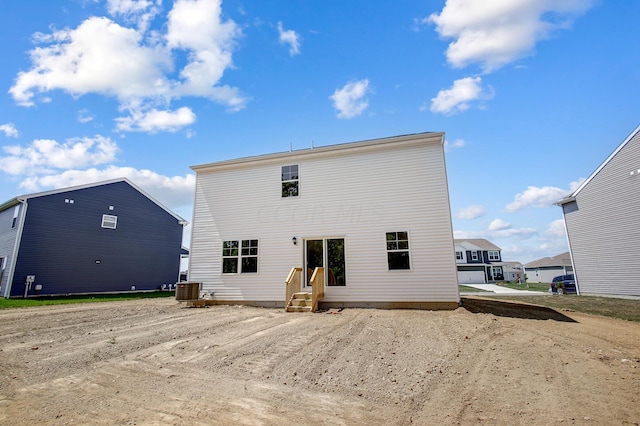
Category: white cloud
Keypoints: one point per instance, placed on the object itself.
(84, 116)
(46, 164)
(458, 143)
(499, 225)
(521, 233)
(291, 38)
(350, 100)
(457, 98)
(173, 191)
(135, 65)
(508, 232)
(471, 212)
(494, 33)
(543, 197)
(99, 56)
(155, 120)
(196, 26)
(9, 130)
(140, 12)
(45, 155)
(419, 23)
(556, 229)
(464, 235)
(498, 229)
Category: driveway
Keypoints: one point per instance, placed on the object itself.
(503, 290)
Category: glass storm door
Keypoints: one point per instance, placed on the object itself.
(329, 252)
(314, 257)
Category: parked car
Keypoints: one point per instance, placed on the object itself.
(563, 284)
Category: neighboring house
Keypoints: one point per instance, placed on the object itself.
(602, 219)
(513, 272)
(375, 214)
(478, 261)
(545, 269)
(102, 237)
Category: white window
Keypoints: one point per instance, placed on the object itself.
(474, 255)
(109, 221)
(290, 179)
(459, 255)
(494, 255)
(16, 210)
(239, 256)
(398, 250)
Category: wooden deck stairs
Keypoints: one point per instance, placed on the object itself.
(300, 302)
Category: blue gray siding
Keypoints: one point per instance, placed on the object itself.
(64, 245)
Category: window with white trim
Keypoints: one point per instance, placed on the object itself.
(249, 256)
(290, 181)
(398, 250)
(494, 255)
(239, 256)
(109, 221)
(474, 255)
(458, 255)
(16, 210)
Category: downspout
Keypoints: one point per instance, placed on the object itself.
(16, 247)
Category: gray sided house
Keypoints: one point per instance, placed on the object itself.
(479, 261)
(602, 218)
(103, 237)
(373, 215)
(545, 269)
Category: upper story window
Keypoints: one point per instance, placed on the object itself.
(474, 255)
(398, 250)
(16, 211)
(458, 255)
(109, 221)
(494, 255)
(290, 181)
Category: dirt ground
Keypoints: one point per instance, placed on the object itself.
(156, 362)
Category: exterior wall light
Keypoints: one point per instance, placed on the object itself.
(294, 240)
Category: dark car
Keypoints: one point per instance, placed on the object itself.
(564, 284)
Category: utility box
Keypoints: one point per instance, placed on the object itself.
(187, 291)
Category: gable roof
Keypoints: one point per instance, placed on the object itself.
(571, 197)
(328, 150)
(563, 259)
(23, 198)
(481, 243)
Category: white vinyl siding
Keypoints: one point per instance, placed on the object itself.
(355, 194)
(604, 226)
(8, 240)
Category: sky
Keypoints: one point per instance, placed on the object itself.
(533, 95)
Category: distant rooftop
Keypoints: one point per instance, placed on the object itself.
(563, 259)
(481, 243)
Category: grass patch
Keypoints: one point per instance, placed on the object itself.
(626, 309)
(65, 300)
(467, 289)
(544, 287)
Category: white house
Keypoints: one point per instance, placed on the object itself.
(374, 214)
(602, 218)
(545, 269)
